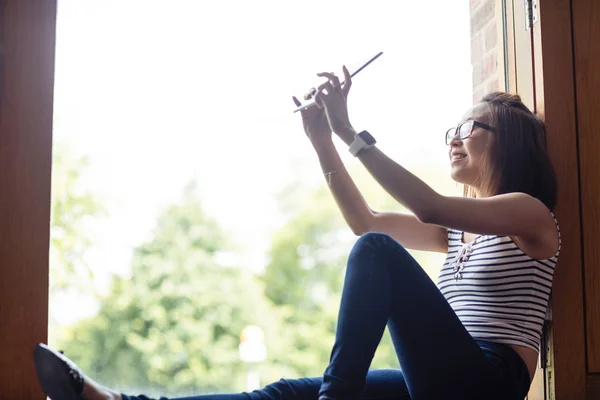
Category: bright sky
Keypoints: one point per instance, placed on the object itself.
(157, 93)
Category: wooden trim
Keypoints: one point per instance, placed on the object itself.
(543, 387)
(28, 37)
(523, 55)
(509, 45)
(593, 387)
(502, 45)
(521, 81)
(555, 100)
(586, 39)
(537, 388)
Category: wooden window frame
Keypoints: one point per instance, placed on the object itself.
(27, 41)
(537, 63)
(564, 95)
(562, 372)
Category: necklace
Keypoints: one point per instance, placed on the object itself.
(459, 261)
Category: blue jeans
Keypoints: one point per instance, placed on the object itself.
(439, 359)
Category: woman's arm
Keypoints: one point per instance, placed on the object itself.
(407, 229)
(511, 214)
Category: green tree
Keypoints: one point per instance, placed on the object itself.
(305, 276)
(72, 207)
(174, 327)
(306, 269)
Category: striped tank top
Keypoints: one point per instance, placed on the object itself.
(499, 293)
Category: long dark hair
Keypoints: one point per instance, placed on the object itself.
(518, 161)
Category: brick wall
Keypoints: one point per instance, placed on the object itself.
(485, 46)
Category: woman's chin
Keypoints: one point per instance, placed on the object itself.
(459, 175)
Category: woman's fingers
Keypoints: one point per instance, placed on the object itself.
(319, 98)
(347, 81)
(298, 104)
(327, 86)
(335, 81)
(310, 94)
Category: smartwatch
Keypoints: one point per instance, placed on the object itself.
(362, 141)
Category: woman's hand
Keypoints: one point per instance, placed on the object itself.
(315, 122)
(333, 97)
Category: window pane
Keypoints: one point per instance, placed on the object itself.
(188, 203)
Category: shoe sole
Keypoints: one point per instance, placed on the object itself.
(53, 378)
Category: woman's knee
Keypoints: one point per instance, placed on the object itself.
(380, 246)
(376, 241)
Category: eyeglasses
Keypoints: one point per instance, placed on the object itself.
(465, 130)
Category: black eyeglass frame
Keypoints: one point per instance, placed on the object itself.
(457, 130)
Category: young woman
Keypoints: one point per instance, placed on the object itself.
(474, 335)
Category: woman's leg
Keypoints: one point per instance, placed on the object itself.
(384, 384)
(385, 285)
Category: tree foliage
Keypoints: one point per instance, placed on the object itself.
(72, 208)
(173, 328)
(175, 325)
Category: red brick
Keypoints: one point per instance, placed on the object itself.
(492, 85)
(477, 95)
(490, 67)
(476, 48)
(490, 35)
(482, 15)
(484, 47)
(478, 74)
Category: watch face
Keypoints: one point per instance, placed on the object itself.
(367, 138)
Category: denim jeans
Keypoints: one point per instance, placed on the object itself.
(439, 359)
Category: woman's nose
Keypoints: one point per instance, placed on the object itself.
(456, 141)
